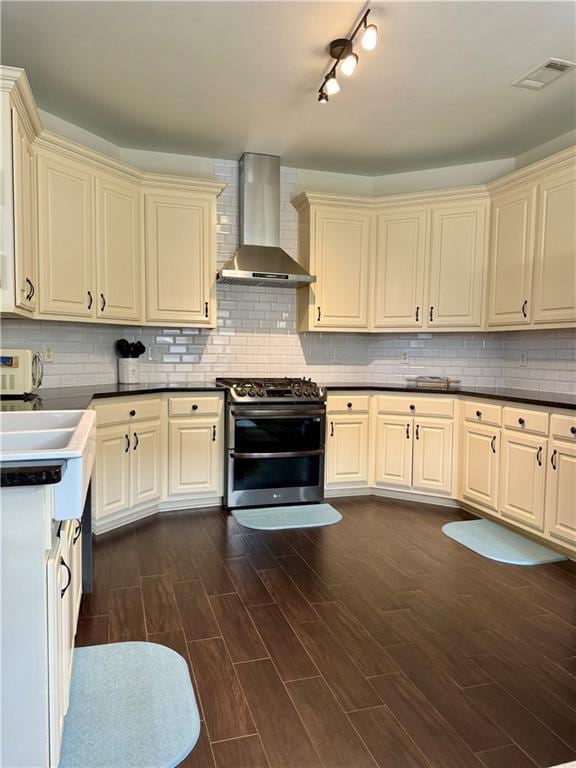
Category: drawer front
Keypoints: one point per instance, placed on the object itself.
(348, 403)
(201, 405)
(524, 420)
(416, 406)
(118, 411)
(563, 427)
(483, 413)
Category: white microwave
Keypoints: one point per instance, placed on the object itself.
(20, 372)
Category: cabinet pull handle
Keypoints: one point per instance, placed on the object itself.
(431, 314)
(479, 414)
(205, 309)
(417, 314)
(30, 293)
(331, 429)
(417, 431)
(554, 463)
(521, 421)
(539, 456)
(319, 315)
(33, 290)
(136, 440)
(213, 433)
(493, 444)
(69, 572)
(90, 300)
(103, 307)
(407, 431)
(77, 532)
(127, 444)
(524, 305)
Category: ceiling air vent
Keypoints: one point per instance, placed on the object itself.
(545, 74)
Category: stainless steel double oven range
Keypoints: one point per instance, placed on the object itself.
(275, 432)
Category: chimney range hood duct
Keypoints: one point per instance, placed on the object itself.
(259, 260)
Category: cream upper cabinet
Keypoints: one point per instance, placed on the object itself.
(340, 244)
(393, 450)
(180, 258)
(456, 268)
(119, 265)
(65, 237)
(555, 255)
(522, 480)
(399, 268)
(480, 464)
(24, 194)
(511, 256)
(561, 493)
(432, 462)
(194, 457)
(347, 450)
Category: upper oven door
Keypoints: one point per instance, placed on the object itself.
(261, 430)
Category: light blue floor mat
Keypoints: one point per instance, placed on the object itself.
(498, 543)
(132, 705)
(297, 516)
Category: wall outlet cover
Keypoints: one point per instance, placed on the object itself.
(404, 359)
(523, 359)
(48, 354)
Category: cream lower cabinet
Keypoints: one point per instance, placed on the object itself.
(561, 492)
(347, 450)
(523, 478)
(393, 451)
(480, 465)
(194, 457)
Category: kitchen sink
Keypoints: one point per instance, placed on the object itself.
(38, 442)
(26, 421)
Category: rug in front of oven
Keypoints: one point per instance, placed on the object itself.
(296, 516)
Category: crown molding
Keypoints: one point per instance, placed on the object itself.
(183, 184)
(14, 81)
(566, 158)
(380, 202)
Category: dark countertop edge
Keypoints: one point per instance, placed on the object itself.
(21, 474)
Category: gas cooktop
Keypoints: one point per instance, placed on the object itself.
(272, 390)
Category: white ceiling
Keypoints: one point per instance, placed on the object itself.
(221, 78)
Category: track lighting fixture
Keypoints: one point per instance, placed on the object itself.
(346, 60)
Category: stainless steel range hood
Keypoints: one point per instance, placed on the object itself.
(259, 260)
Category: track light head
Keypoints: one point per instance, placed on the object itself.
(331, 85)
(323, 97)
(349, 64)
(369, 37)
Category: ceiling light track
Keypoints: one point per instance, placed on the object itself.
(346, 60)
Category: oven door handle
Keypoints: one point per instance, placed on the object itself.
(278, 454)
(276, 412)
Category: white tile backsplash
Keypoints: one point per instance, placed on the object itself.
(256, 335)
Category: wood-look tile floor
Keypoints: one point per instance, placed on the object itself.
(374, 642)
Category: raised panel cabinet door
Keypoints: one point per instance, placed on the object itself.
(393, 450)
(24, 180)
(118, 253)
(341, 264)
(146, 463)
(432, 463)
(76, 572)
(555, 256)
(455, 280)
(67, 595)
(511, 257)
(65, 238)
(112, 471)
(480, 466)
(561, 493)
(522, 479)
(399, 278)
(194, 465)
(180, 258)
(55, 580)
(347, 450)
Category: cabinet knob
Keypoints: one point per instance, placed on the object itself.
(349, 405)
(573, 430)
(521, 421)
(194, 407)
(479, 414)
(412, 407)
(132, 413)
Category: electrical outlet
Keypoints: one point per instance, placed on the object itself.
(48, 354)
(523, 359)
(151, 354)
(404, 358)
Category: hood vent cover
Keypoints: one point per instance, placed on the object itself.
(260, 260)
(545, 74)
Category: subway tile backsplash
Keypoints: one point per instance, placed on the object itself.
(256, 335)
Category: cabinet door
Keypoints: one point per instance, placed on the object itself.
(76, 573)
(145, 469)
(180, 258)
(347, 450)
(432, 463)
(480, 466)
(194, 448)
(55, 576)
(393, 450)
(65, 238)
(67, 596)
(341, 250)
(399, 280)
(555, 257)
(455, 281)
(24, 180)
(511, 257)
(112, 470)
(561, 493)
(522, 480)
(118, 255)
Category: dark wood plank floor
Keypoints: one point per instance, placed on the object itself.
(375, 642)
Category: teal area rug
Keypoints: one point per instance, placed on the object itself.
(132, 705)
(278, 518)
(498, 543)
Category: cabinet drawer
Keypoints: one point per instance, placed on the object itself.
(483, 413)
(201, 405)
(348, 403)
(563, 427)
(525, 420)
(416, 406)
(118, 411)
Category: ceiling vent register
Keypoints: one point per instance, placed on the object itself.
(544, 74)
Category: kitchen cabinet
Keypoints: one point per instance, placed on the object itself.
(195, 450)
(456, 268)
(555, 256)
(180, 255)
(523, 476)
(24, 197)
(118, 253)
(347, 450)
(145, 472)
(511, 256)
(399, 268)
(480, 465)
(393, 451)
(561, 492)
(432, 457)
